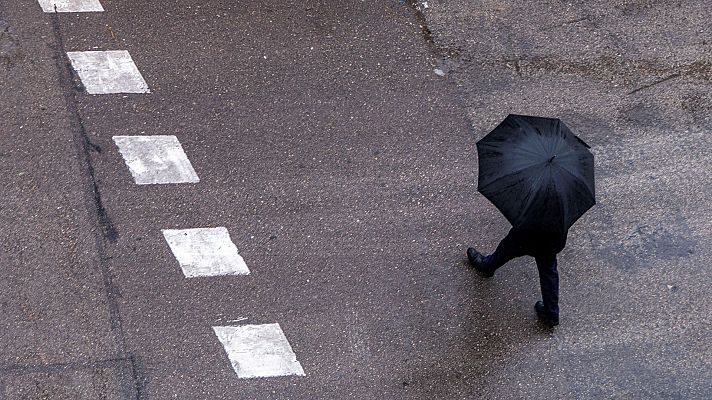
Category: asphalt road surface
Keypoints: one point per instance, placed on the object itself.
(335, 141)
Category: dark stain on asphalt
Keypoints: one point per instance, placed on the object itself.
(420, 17)
(637, 8)
(698, 106)
(99, 369)
(607, 68)
(658, 242)
(642, 114)
(657, 82)
(440, 51)
(593, 129)
(132, 376)
(68, 78)
(10, 51)
(647, 243)
(624, 361)
(700, 69)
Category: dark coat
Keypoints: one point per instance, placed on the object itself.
(538, 243)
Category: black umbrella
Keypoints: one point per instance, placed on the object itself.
(537, 173)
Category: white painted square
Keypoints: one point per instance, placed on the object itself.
(107, 72)
(258, 351)
(205, 252)
(156, 159)
(48, 6)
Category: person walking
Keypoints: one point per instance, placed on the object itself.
(540, 176)
(543, 246)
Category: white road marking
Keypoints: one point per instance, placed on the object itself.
(71, 6)
(156, 159)
(205, 252)
(258, 351)
(106, 72)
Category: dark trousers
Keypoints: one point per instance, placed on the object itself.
(516, 245)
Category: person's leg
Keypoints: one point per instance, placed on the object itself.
(510, 247)
(549, 281)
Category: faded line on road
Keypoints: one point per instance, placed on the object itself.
(205, 252)
(108, 72)
(156, 159)
(48, 6)
(258, 351)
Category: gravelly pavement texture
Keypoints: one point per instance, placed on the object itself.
(633, 79)
(54, 313)
(340, 164)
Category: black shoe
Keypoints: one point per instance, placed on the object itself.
(544, 317)
(477, 261)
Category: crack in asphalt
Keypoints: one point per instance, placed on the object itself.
(108, 232)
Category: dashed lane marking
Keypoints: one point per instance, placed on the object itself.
(107, 72)
(48, 6)
(205, 252)
(258, 351)
(254, 351)
(156, 159)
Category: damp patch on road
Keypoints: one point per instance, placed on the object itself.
(643, 244)
(10, 52)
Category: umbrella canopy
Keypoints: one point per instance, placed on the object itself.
(537, 173)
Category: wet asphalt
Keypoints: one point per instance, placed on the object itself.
(344, 168)
(632, 78)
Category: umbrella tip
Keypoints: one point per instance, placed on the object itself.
(552, 158)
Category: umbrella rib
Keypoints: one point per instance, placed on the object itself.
(576, 176)
(530, 199)
(564, 204)
(495, 180)
(525, 151)
(514, 148)
(540, 143)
